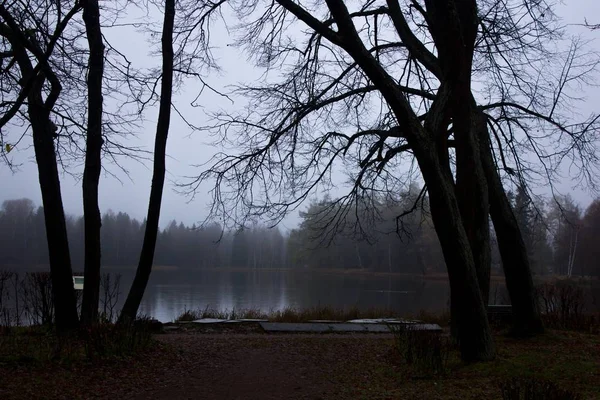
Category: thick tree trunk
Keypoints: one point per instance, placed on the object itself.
(519, 282)
(144, 268)
(91, 173)
(63, 293)
(473, 201)
(475, 337)
(472, 197)
(454, 29)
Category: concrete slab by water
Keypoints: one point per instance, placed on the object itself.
(233, 321)
(227, 321)
(339, 327)
(209, 321)
(393, 321)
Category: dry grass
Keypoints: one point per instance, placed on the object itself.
(291, 314)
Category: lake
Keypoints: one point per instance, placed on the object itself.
(170, 293)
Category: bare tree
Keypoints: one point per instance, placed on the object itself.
(43, 71)
(144, 269)
(91, 173)
(30, 36)
(279, 140)
(384, 87)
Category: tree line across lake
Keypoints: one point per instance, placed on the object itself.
(560, 236)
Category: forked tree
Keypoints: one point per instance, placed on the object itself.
(447, 92)
(33, 88)
(52, 88)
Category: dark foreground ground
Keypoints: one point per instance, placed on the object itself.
(192, 365)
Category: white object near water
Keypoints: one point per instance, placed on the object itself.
(78, 282)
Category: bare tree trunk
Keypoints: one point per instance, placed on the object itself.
(473, 200)
(360, 264)
(573, 250)
(454, 29)
(476, 342)
(144, 268)
(389, 256)
(39, 104)
(519, 282)
(91, 173)
(63, 293)
(474, 331)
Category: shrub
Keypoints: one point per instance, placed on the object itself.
(110, 285)
(534, 389)
(105, 340)
(563, 306)
(428, 352)
(36, 297)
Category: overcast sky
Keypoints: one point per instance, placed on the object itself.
(186, 149)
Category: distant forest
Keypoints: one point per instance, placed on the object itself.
(561, 239)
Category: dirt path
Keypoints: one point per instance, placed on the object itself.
(190, 365)
(269, 366)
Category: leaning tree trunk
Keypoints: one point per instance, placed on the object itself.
(475, 337)
(134, 298)
(476, 342)
(91, 172)
(63, 293)
(517, 270)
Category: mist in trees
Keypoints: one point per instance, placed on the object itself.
(409, 246)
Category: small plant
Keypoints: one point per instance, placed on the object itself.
(110, 285)
(428, 352)
(534, 389)
(187, 316)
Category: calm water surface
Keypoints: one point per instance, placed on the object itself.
(169, 293)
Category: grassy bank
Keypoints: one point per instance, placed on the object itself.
(291, 314)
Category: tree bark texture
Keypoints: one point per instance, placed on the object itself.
(517, 270)
(144, 268)
(91, 173)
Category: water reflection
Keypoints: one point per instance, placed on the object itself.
(169, 293)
